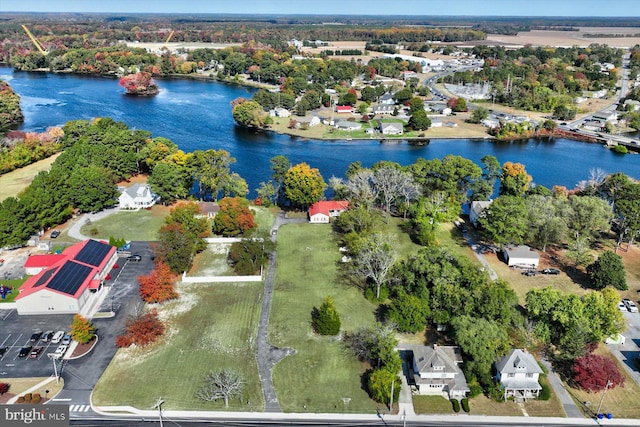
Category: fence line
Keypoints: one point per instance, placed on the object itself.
(220, 279)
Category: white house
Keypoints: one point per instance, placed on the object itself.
(279, 112)
(387, 99)
(635, 105)
(347, 125)
(436, 371)
(476, 210)
(383, 109)
(521, 256)
(606, 116)
(394, 128)
(70, 283)
(321, 212)
(137, 196)
(309, 122)
(518, 374)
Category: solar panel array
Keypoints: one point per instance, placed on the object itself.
(45, 276)
(93, 253)
(70, 277)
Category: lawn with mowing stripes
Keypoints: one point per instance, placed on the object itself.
(211, 326)
(322, 372)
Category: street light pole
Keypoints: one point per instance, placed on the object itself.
(606, 387)
(159, 406)
(391, 399)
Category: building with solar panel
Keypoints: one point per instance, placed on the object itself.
(70, 283)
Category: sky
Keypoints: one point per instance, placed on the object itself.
(569, 8)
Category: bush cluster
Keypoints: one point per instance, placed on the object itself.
(465, 404)
(456, 405)
(30, 398)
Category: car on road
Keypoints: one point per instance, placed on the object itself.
(36, 336)
(46, 337)
(622, 306)
(134, 257)
(66, 340)
(553, 271)
(57, 337)
(60, 351)
(631, 306)
(55, 233)
(35, 352)
(530, 272)
(24, 351)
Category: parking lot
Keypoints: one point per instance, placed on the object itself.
(16, 331)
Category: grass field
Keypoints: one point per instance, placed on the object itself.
(16, 181)
(622, 402)
(142, 225)
(14, 284)
(264, 217)
(211, 326)
(432, 405)
(321, 372)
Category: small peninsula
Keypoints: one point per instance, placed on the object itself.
(139, 84)
(10, 111)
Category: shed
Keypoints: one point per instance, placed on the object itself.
(521, 256)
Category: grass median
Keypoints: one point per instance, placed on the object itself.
(322, 372)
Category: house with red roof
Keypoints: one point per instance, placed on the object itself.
(344, 109)
(321, 212)
(70, 282)
(36, 263)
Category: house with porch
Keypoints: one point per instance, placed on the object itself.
(436, 371)
(393, 128)
(137, 196)
(321, 212)
(518, 374)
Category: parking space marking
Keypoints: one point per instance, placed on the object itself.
(8, 314)
(5, 340)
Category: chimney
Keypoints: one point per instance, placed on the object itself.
(524, 349)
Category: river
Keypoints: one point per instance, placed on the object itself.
(197, 115)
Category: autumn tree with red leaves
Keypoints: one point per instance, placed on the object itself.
(159, 285)
(591, 373)
(139, 84)
(142, 331)
(234, 217)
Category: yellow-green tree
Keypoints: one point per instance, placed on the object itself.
(82, 330)
(514, 180)
(303, 185)
(249, 114)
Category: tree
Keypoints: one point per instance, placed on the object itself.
(279, 166)
(409, 312)
(416, 104)
(563, 112)
(187, 214)
(234, 217)
(166, 180)
(478, 115)
(505, 220)
(4, 388)
(303, 185)
(403, 95)
(388, 181)
(140, 83)
(223, 384)
(593, 373)
(159, 285)
(579, 251)
(514, 180)
(266, 194)
(381, 381)
(588, 216)
(545, 222)
(249, 254)
(375, 260)
(484, 186)
(141, 331)
(175, 247)
(82, 330)
(249, 114)
(419, 121)
(326, 320)
(92, 188)
(607, 270)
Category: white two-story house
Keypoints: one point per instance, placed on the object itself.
(436, 371)
(518, 374)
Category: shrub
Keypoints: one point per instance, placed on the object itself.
(456, 405)
(592, 372)
(496, 393)
(620, 149)
(27, 397)
(465, 404)
(82, 330)
(545, 393)
(475, 389)
(20, 399)
(4, 387)
(142, 331)
(370, 294)
(36, 398)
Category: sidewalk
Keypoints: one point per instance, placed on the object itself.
(568, 404)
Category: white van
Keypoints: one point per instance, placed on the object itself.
(60, 351)
(57, 337)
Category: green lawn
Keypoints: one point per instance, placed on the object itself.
(432, 405)
(321, 372)
(15, 285)
(211, 326)
(142, 225)
(264, 217)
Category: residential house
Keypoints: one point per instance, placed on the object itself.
(344, 109)
(521, 256)
(137, 196)
(394, 128)
(309, 122)
(518, 374)
(70, 282)
(635, 105)
(606, 116)
(592, 125)
(348, 126)
(383, 109)
(279, 112)
(475, 211)
(441, 109)
(387, 99)
(321, 212)
(436, 371)
(406, 75)
(208, 210)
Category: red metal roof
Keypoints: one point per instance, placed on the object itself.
(43, 260)
(324, 206)
(344, 108)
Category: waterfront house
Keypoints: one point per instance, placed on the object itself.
(518, 374)
(321, 212)
(348, 126)
(394, 128)
(137, 196)
(475, 211)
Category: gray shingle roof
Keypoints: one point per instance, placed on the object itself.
(518, 361)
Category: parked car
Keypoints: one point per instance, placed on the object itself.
(46, 337)
(24, 351)
(55, 233)
(135, 257)
(36, 336)
(622, 306)
(553, 271)
(3, 350)
(66, 340)
(60, 351)
(631, 306)
(530, 272)
(35, 352)
(57, 337)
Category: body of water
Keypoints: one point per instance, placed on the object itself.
(197, 115)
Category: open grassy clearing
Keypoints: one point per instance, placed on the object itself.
(322, 372)
(482, 405)
(622, 402)
(142, 225)
(212, 261)
(211, 326)
(264, 217)
(12, 183)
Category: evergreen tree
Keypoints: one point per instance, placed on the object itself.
(326, 320)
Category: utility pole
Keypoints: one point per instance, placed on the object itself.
(159, 406)
(55, 368)
(391, 400)
(606, 387)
